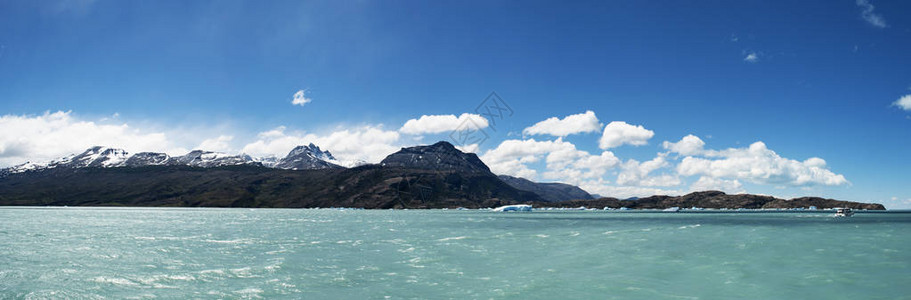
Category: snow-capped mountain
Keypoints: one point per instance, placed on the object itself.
(147, 159)
(93, 157)
(209, 159)
(268, 161)
(300, 158)
(307, 157)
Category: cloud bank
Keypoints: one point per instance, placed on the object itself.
(443, 123)
(39, 138)
(684, 165)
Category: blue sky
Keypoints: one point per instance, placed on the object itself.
(809, 79)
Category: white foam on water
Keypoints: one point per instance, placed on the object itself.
(234, 241)
(114, 281)
(453, 238)
(273, 252)
(250, 292)
(245, 272)
(215, 271)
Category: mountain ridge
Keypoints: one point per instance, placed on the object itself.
(551, 191)
(299, 158)
(432, 176)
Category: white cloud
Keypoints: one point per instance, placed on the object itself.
(576, 166)
(53, 135)
(511, 156)
(275, 142)
(443, 123)
(349, 145)
(896, 203)
(635, 173)
(563, 162)
(904, 102)
(758, 164)
(220, 144)
(365, 143)
(716, 184)
(687, 146)
(751, 57)
(618, 133)
(868, 15)
(572, 124)
(623, 192)
(300, 98)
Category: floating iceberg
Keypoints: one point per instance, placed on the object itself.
(519, 207)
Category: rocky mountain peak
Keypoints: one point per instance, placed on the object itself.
(96, 156)
(307, 157)
(209, 159)
(441, 156)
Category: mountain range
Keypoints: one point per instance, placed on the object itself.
(432, 176)
(300, 158)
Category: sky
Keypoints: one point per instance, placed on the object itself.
(622, 98)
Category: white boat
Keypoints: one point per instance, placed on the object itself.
(518, 207)
(672, 209)
(843, 212)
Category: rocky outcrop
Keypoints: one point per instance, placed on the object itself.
(308, 157)
(714, 199)
(441, 156)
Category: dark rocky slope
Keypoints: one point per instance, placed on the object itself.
(549, 191)
(442, 156)
(713, 199)
(407, 181)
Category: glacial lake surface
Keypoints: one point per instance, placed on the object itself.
(118, 253)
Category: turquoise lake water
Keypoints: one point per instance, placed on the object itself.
(331, 254)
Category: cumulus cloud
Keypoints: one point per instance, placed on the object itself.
(618, 133)
(904, 102)
(623, 192)
(866, 12)
(706, 183)
(758, 164)
(221, 143)
(39, 138)
(572, 124)
(369, 143)
(443, 123)
(300, 98)
(563, 161)
(635, 173)
(689, 145)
